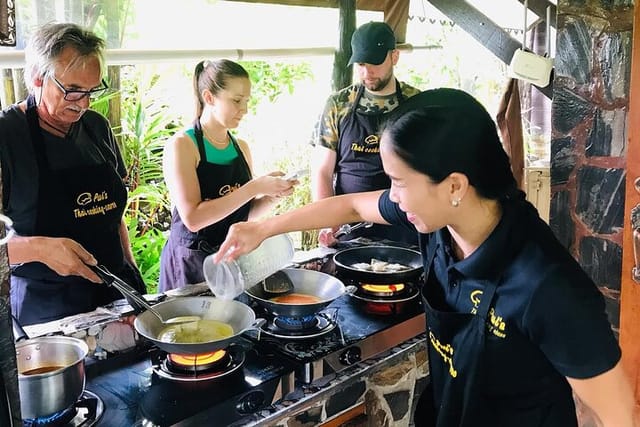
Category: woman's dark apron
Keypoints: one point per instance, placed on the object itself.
(359, 166)
(83, 203)
(185, 251)
(454, 396)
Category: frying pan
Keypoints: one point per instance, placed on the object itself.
(344, 260)
(149, 323)
(309, 282)
(236, 314)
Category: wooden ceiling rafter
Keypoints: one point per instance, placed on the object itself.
(396, 13)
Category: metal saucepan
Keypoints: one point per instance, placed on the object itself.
(51, 374)
(236, 314)
(309, 282)
(346, 258)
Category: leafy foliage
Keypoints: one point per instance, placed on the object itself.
(270, 79)
(146, 123)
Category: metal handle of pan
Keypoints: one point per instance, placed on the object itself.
(257, 327)
(350, 289)
(19, 333)
(133, 297)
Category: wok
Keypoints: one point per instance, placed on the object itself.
(309, 282)
(236, 314)
(344, 260)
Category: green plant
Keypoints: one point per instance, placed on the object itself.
(147, 122)
(298, 158)
(270, 79)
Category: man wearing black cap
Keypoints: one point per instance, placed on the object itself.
(347, 155)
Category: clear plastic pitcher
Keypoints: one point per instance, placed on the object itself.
(228, 279)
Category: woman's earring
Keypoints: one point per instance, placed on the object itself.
(455, 203)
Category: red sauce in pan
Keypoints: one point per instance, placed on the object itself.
(295, 298)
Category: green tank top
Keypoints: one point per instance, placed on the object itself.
(214, 155)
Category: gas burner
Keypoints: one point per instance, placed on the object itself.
(384, 290)
(299, 327)
(58, 419)
(382, 304)
(296, 323)
(201, 367)
(86, 412)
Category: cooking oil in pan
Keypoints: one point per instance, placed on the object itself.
(196, 332)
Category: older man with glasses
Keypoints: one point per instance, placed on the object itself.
(63, 181)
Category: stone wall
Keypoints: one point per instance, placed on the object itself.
(588, 145)
(387, 385)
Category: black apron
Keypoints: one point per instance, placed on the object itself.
(185, 251)
(456, 344)
(359, 166)
(455, 395)
(83, 203)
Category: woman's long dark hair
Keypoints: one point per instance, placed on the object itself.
(442, 131)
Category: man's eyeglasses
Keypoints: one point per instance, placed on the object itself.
(77, 95)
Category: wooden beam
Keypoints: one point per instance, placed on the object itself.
(371, 5)
(483, 29)
(397, 15)
(343, 73)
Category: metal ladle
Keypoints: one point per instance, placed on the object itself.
(278, 283)
(134, 297)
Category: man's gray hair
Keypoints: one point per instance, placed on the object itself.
(48, 41)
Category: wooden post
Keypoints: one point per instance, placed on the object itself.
(112, 13)
(630, 292)
(343, 74)
(8, 96)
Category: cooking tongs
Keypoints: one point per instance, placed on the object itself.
(348, 228)
(133, 297)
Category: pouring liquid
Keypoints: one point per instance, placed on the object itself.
(196, 332)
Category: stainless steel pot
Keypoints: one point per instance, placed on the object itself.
(60, 360)
(236, 314)
(309, 282)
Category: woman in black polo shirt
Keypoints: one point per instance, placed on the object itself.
(514, 324)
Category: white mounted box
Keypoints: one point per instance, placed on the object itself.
(530, 67)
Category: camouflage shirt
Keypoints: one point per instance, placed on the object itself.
(339, 105)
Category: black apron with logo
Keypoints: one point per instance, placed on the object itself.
(454, 397)
(185, 251)
(456, 345)
(359, 166)
(83, 203)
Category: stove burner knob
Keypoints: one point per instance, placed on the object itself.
(350, 356)
(250, 402)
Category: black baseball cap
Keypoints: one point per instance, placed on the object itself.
(371, 42)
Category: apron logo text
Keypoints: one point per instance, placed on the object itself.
(364, 149)
(85, 198)
(446, 351)
(96, 210)
(496, 325)
(226, 189)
